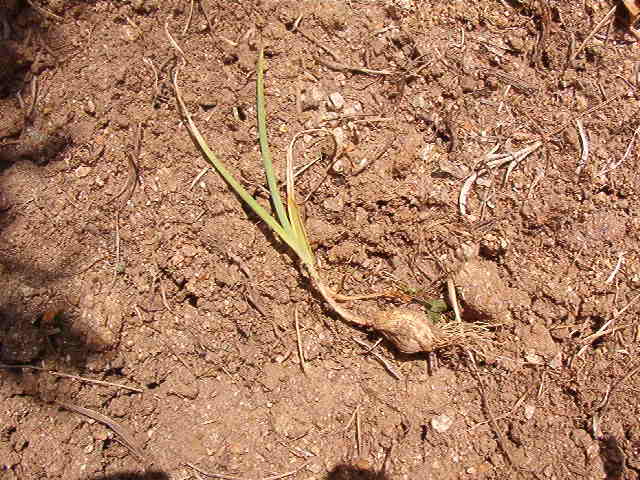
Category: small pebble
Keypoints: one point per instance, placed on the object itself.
(315, 467)
(83, 171)
(337, 101)
(467, 84)
(441, 423)
(529, 410)
(335, 204)
(516, 42)
(338, 166)
(312, 98)
(90, 107)
(418, 101)
(27, 291)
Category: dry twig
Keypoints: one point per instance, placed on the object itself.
(303, 365)
(74, 377)
(132, 180)
(128, 440)
(584, 141)
(44, 11)
(174, 44)
(337, 63)
(595, 30)
(601, 411)
(497, 430)
(453, 298)
(379, 357)
(494, 161)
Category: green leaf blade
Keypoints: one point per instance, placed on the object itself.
(265, 152)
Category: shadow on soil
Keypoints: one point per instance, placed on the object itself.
(156, 475)
(612, 457)
(26, 52)
(349, 472)
(36, 326)
(341, 472)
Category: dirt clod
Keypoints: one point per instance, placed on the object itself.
(483, 293)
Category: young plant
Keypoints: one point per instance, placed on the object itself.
(409, 331)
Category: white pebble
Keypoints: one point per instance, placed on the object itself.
(83, 171)
(529, 410)
(337, 101)
(441, 423)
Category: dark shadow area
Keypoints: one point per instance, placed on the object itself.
(29, 45)
(153, 475)
(28, 338)
(613, 458)
(35, 144)
(623, 21)
(39, 324)
(349, 472)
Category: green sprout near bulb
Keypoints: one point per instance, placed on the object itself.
(409, 331)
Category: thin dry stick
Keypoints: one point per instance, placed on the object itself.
(75, 377)
(494, 161)
(127, 438)
(584, 142)
(616, 269)
(602, 409)
(358, 432)
(453, 298)
(379, 357)
(211, 475)
(378, 342)
(228, 477)
(593, 32)
(485, 405)
(189, 18)
(34, 98)
(627, 152)
(336, 154)
(164, 299)
(303, 365)
(287, 474)
(174, 44)
(44, 11)
(198, 177)
(603, 330)
(210, 25)
(156, 90)
(296, 23)
(351, 420)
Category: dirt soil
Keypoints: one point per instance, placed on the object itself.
(123, 260)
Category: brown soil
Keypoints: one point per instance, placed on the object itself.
(119, 262)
